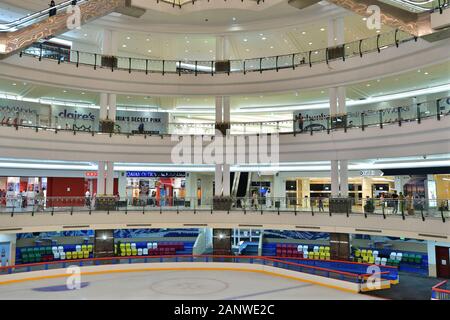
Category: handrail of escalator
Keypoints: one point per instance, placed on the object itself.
(12, 26)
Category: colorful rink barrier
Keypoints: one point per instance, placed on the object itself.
(441, 291)
(365, 279)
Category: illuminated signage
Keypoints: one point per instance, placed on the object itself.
(153, 174)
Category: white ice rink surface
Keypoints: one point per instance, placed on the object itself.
(186, 285)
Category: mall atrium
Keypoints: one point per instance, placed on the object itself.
(238, 149)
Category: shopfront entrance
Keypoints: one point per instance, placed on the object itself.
(442, 262)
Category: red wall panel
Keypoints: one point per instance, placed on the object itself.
(71, 189)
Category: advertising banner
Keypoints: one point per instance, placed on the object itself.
(137, 122)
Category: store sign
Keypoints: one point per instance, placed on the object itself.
(153, 174)
(91, 174)
(371, 173)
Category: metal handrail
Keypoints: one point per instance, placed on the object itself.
(12, 26)
(421, 111)
(358, 277)
(169, 66)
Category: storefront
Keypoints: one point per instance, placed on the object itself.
(14, 188)
(156, 188)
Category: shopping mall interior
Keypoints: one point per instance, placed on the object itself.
(237, 150)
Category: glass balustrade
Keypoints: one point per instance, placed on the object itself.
(25, 118)
(405, 207)
(290, 61)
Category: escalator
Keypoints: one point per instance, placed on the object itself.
(240, 186)
(22, 33)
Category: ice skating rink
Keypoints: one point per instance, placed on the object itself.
(185, 285)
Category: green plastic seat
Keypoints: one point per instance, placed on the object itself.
(405, 257)
(42, 250)
(30, 250)
(31, 258)
(48, 250)
(37, 257)
(23, 250)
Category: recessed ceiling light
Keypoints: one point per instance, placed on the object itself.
(261, 34)
(186, 51)
(64, 91)
(303, 32)
(322, 92)
(245, 40)
(263, 38)
(234, 19)
(322, 29)
(368, 85)
(310, 43)
(128, 38)
(271, 47)
(149, 50)
(364, 19)
(247, 50)
(147, 39)
(85, 34)
(378, 31)
(210, 51)
(124, 46)
(14, 84)
(426, 73)
(82, 93)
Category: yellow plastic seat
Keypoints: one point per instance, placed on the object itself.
(316, 255)
(74, 254)
(363, 252)
(84, 247)
(322, 256)
(365, 258)
(371, 260)
(357, 253)
(327, 249)
(369, 252)
(122, 253)
(90, 248)
(327, 256)
(128, 245)
(134, 252)
(80, 255)
(359, 260)
(68, 255)
(86, 254)
(321, 249)
(128, 252)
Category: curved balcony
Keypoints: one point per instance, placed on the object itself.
(415, 218)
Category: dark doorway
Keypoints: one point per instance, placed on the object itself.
(442, 262)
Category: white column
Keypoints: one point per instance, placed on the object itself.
(342, 107)
(109, 178)
(218, 180)
(112, 106)
(219, 113)
(109, 43)
(226, 180)
(343, 177)
(336, 32)
(334, 178)
(101, 178)
(226, 109)
(332, 92)
(122, 187)
(103, 106)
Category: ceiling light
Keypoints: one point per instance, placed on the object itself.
(147, 39)
(128, 38)
(368, 85)
(271, 47)
(245, 39)
(124, 46)
(322, 29)
(304, 32)
(85, 34)
(64, 91)
(261, 34)
(310, 43)
(234, 19)
(247, 50)
(263, 38)
(149, 50)
(82, 93)
(426, 73)
(364, 19)
(14, 84)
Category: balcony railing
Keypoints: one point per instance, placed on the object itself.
(196, 67)
(441, 291)
(389, 208)
(15, 117)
